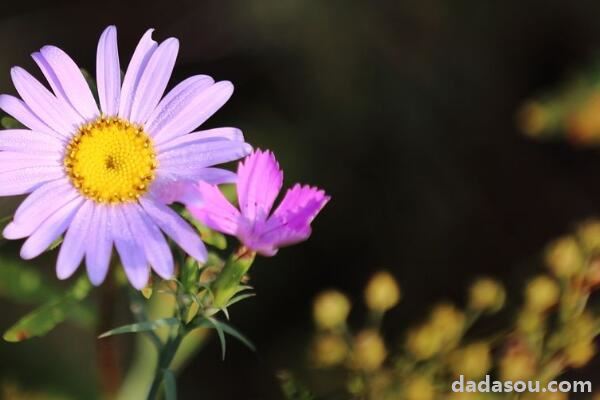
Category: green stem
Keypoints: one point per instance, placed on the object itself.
(164, 361)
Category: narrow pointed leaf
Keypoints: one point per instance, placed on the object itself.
(141, 327)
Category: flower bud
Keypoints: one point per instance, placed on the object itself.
(518, 364)
(486, 295)
(564, 257)
(424, 342)
(369, 351)
(330, 309)
(580, 353)
(529, 321)
(472, 361)
(450, 322)
(382, 292)
(419, 388)
(541, 293)
(329, 350)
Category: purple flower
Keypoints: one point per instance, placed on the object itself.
(259, 183)
(99, 172)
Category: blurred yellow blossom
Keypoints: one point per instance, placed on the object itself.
(369, 351)
(473, 361)
(382, 292)
(486, 295)
(583, 125)
(529, 321)
(592, 275)
(533, 119)
(579, 353)
(564, 257)
(517, 364)
(449, 321)
(330, 309)
(419, 388)
(329, 349)
(541, 293)
(424, 341)
(589, 235)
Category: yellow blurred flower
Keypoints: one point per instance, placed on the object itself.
(472, 361)
(533, 119)
(592, 274)
(580, 353)
(382, 292)
(517, 364)
(424, 341)
(564, 257)
(589, 235)
(486, 295)
(449, 321)
(329, 350)
(545, 396)
(583, 125)
(369, 351)
(541, 293)
(330, 309)
(419, 388)
(529, 321)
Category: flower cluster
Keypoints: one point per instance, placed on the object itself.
(553, 331)
(103, 173)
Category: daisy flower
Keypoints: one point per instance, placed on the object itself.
(259, 182)
(99, 170)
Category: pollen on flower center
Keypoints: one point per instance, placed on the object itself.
(111, 161)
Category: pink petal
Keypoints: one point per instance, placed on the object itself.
(214, 210)
(259, 182)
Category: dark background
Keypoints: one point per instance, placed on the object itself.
(404, 111)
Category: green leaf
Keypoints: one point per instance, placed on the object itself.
(22, 283)
(141, 327)
(222, 328)
(45, 318)
(170, 385)
(240, 297)
(10, 123)
(292, 389)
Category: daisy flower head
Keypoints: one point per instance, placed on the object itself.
(99, 170)
(259, 182)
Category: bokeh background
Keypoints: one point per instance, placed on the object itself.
(403, 111)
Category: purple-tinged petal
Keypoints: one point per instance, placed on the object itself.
(290, 223)
(171, 104)
(26, 141)
(99, 246)
(67, 81)
(259, 183)
(53, 112)
(214, 210)
(154, 80)
(17, 108)
(202, 154)
(10, 161)
(38, 207)
(176, 228)
(191, 109)
(155, 246)
(50, 229)
(108, 72)
(129, 249)
(210, 135)
(26, 180)
(73, 246)
(135, 69)
(168, 189)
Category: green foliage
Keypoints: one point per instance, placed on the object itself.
(10, 123)
(292, 389)
(141, 327)
(22, 283)
(45, 318)
(170, 385)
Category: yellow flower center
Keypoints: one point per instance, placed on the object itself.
(111, 161)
